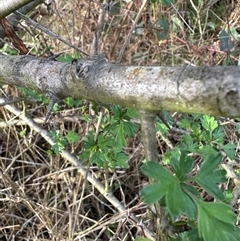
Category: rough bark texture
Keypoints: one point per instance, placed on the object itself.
(208, 90)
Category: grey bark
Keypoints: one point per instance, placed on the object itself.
(149, 135)
(205, 90)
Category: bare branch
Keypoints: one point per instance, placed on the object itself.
(48, 32)
(204, 90)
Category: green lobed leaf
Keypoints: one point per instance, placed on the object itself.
(55, 108)
(153, 192)
(130, 129)
(115, 9)
(178, 202)
(132, 113)
(104, 142)
(58, 147)
(121, 160)
(212, 188)
(207, 150)
(189, 144)
(120, 139)
(122, 116)
(76, 55)
(157, 172)
(174, 153)
(70, 102)
(185, 123)
(218, 135)
(209, 123)
(89, 141)
(216, 220)
(229, 149)
(98, 158)
(72, 137)
(161, 127)
(207, 178)
(116, 110)
(190, 190)
(219, 175)
(67, 58)
(182, 166)
(31, 94)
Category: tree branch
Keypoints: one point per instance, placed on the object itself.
(149, 135)
(204, 90)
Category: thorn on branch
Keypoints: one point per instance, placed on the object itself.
(52, 100)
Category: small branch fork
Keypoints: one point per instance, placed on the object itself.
(106, 6)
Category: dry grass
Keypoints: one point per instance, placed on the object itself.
(42, 197)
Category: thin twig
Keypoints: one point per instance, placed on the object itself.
(48, 32)
(100, 23)
(130, 32)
